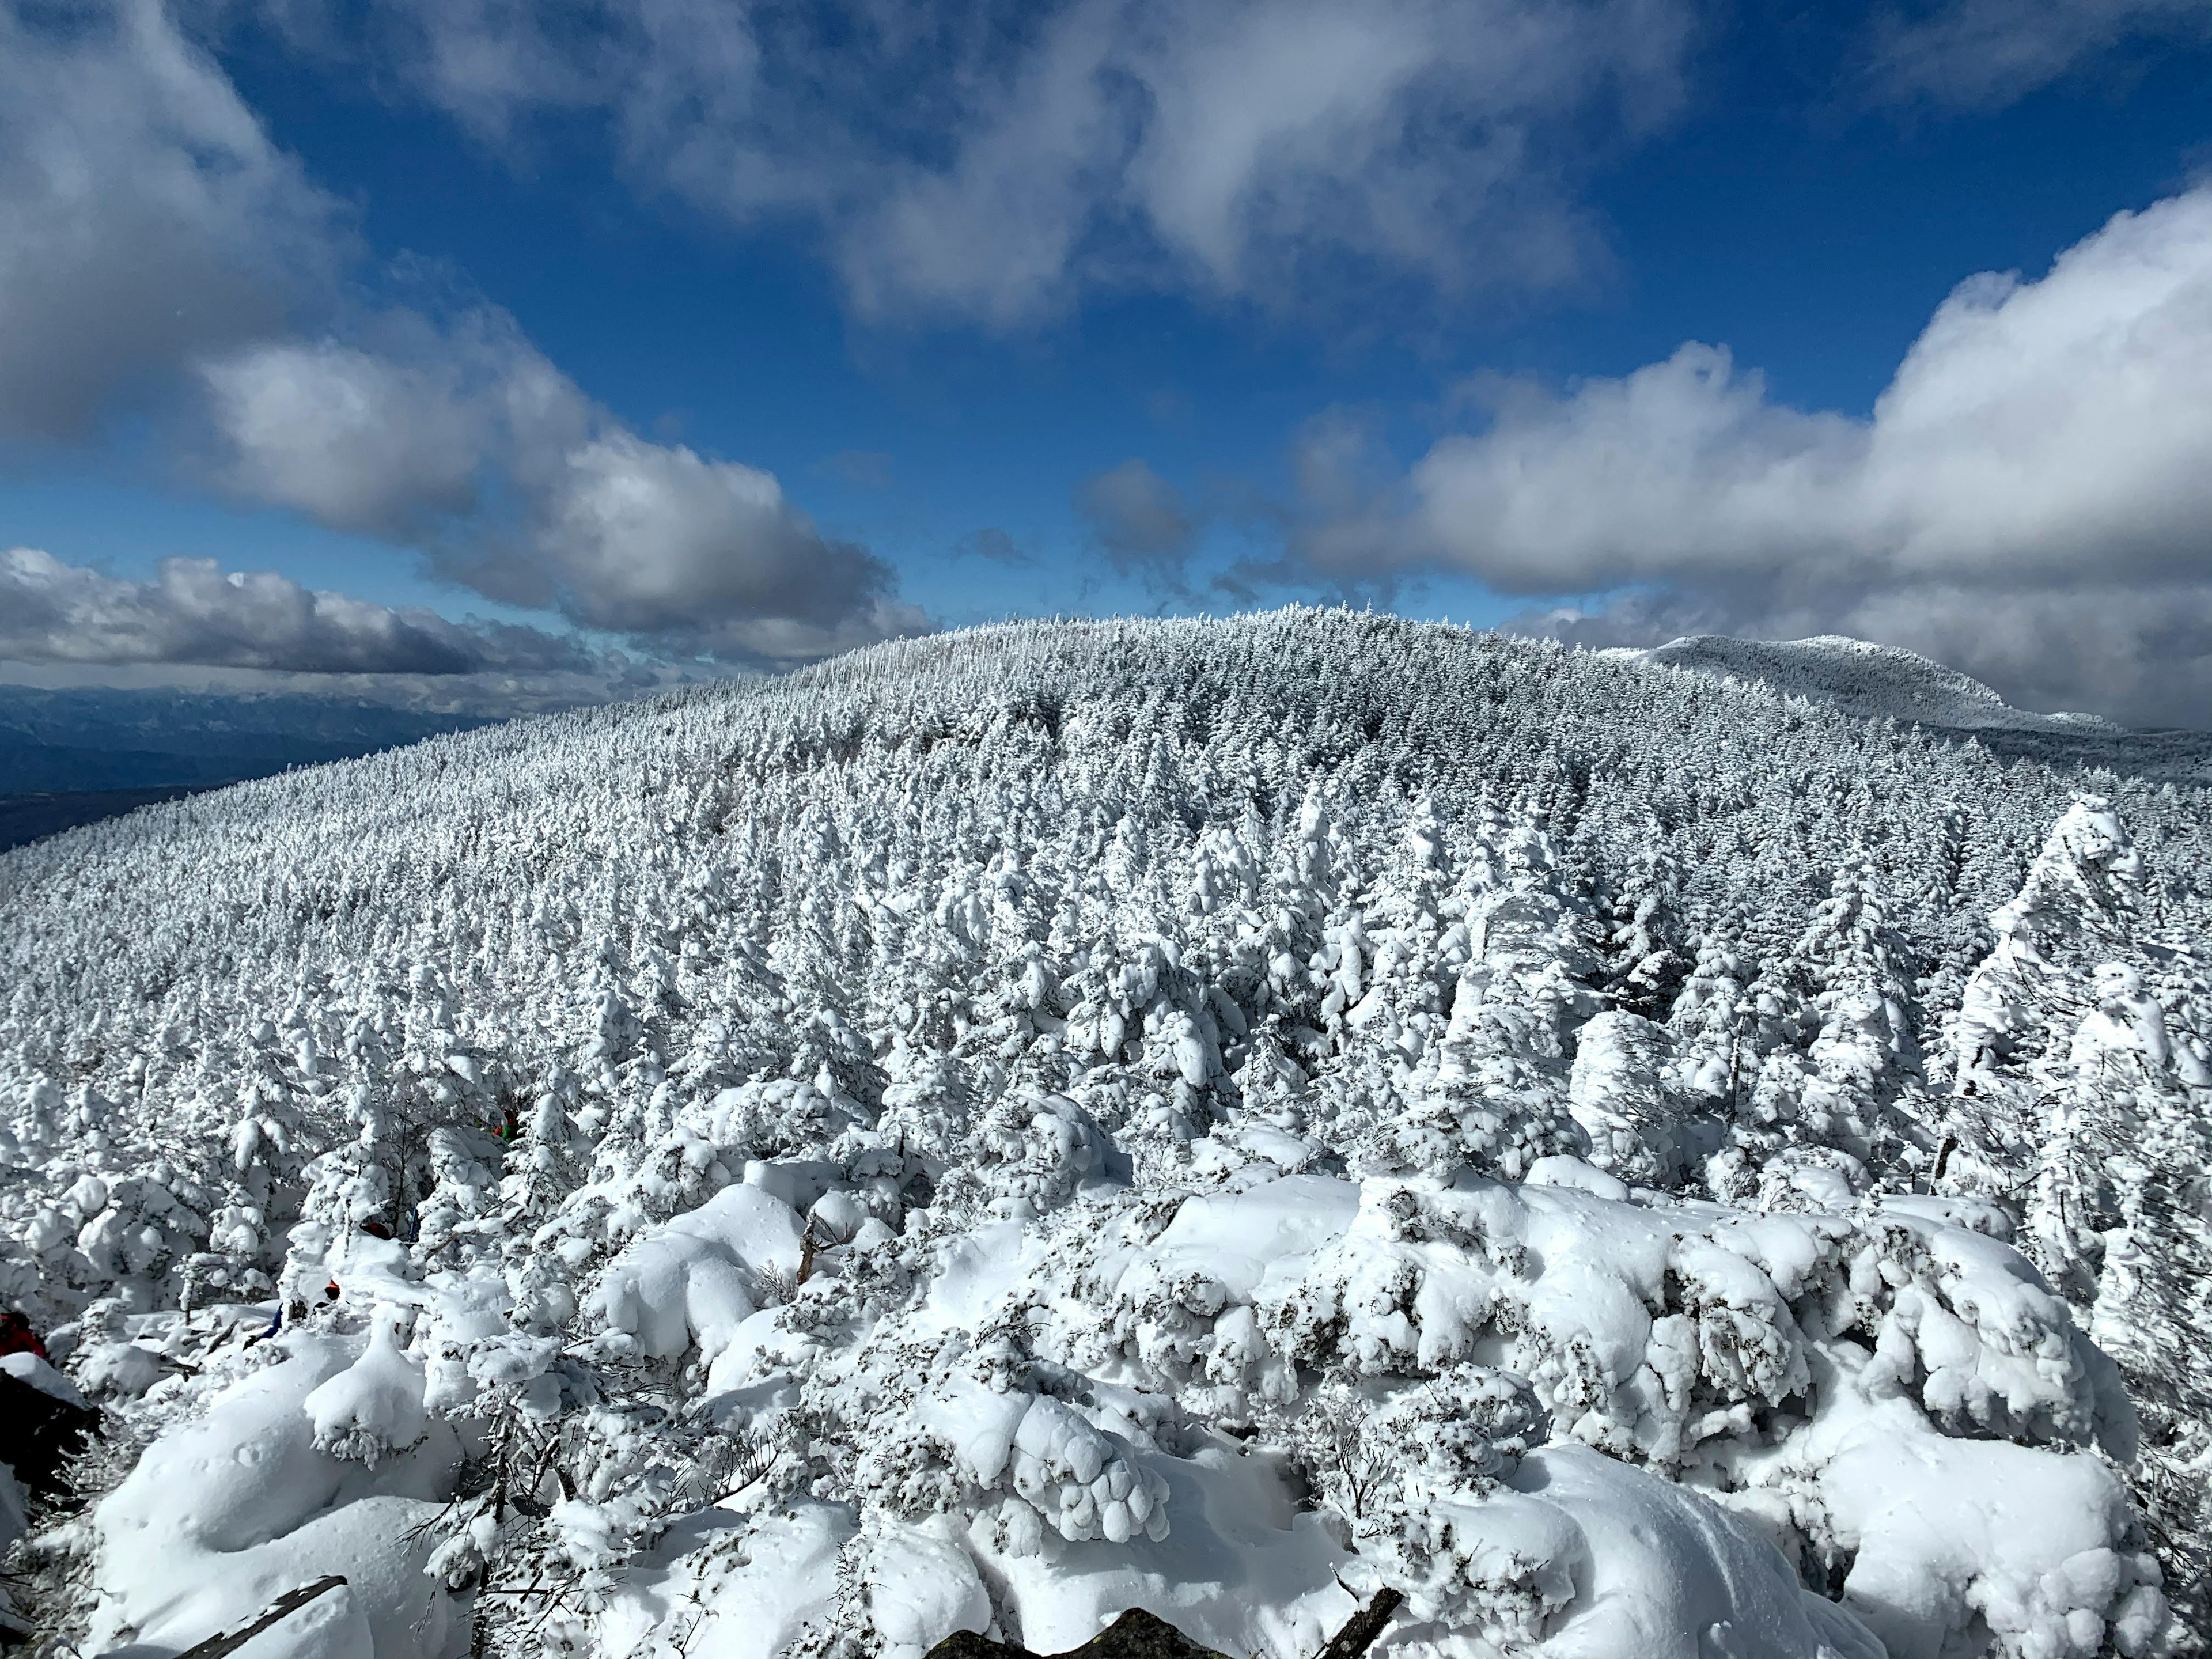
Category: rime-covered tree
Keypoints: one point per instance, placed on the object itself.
(861, 1100)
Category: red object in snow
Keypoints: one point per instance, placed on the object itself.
(16, 1335)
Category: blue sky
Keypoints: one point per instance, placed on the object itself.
(1021, 283)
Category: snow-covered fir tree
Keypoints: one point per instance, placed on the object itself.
(1222, 1116)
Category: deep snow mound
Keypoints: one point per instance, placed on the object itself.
(1863, 679)
(1217, 1117)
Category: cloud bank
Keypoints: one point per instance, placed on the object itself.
(196, 615)
(464, 441)
(2030, 501)
(990, 162)
(163, 258)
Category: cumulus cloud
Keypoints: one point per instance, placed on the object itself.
(195, 614)
(477, 449)
(1983, 54)
(356, 440)
(656, 541)
(158, 244)
(148, 215)
(1140, 520)
(989, 163)
(2031, 498)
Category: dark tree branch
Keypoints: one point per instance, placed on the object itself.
(283, 1607)
(1361, 1630)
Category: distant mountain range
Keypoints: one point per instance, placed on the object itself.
(1861, 677)
(1879, 682)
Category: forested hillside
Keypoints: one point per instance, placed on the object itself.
(1225, 1116)
(1863, 678)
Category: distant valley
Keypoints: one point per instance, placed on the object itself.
(76, 756)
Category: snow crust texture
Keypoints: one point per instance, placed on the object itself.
(1217, 1118)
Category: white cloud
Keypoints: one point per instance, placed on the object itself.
(146, 214)
(1985, 53)
(159, 253)
(991, 161)
(476, 448)
(1418, 138)
(2031, 500)
(656, 541)
(357, 440)
(194, 613)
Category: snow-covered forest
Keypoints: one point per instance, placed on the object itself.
(1217, 1117)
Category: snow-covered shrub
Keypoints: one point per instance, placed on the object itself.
(1428, 1515)
(1043, 1467)
(374, 1407)
(691, 1283)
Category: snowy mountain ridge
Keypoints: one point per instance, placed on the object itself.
(1226, 1117)
(1863, 678)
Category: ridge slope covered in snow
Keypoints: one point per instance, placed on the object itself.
(1872, 681)
(1216, 1116)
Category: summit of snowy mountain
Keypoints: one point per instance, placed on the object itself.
(1863, 678)
(1225, 1117)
